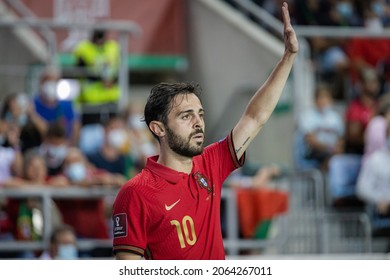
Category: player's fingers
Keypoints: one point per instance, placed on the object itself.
(286, 15)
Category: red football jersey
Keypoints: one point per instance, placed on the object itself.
(165, 214)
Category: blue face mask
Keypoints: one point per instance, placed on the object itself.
(67, 252)
(378, 9)
(76, 172)
(344, 9)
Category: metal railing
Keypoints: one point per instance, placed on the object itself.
(305, 228)
(46, 195)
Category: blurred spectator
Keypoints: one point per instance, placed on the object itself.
(344, 13)
(87, 216)
(91, 138)
(113, 155)
(19, 110)
(11, 157)
(79, 171)
(372, 18)
(375, 133)
(328, 55)
(35, 173)
(98, 64)
(63, 245)
(374, 179)
(382, 9)
(10, 166)
(332, 64)
(369, 52)
(54, 148)
(344, 168)
(51, 109)
(98, 61)
(360, 111)
(313, 12)
(26, 215)
(142, 143)
(322, 128)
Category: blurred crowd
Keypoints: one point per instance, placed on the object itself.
(346, 132)
(40, 139)
(338, 60)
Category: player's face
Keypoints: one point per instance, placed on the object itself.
(185, 129)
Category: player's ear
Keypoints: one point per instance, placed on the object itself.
(157, 128)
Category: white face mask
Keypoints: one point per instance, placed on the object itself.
(117, 138)
(49, 90)
(54, 155)
(23, 102)
(76, 172)
(67, 252)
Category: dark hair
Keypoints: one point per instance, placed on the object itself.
(98, 35)
(110, 119)
(28, 157)
(56, 130)
(7, 104)
(160, 100)
(60, 230)
(321, 89)
(384, 105)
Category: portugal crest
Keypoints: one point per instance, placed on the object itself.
(203, 182)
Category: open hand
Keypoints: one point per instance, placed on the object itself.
(290, 38)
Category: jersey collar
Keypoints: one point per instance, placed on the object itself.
(167, 173)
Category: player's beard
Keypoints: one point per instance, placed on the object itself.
(182, 146)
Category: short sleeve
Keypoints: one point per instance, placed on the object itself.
(130, 219)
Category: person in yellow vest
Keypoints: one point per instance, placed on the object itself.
(98, 59)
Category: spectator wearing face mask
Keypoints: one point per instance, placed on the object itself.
(63, 245)
(322, 128)
(19, 111)
(87, 216)
(143, 144)
(54, 148)
(25, 215)
(50, 108)
(80, 172)
(113, 155)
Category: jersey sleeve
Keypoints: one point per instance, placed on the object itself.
(130, 220)
(222, 156)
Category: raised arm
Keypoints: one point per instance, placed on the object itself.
(262, 104)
